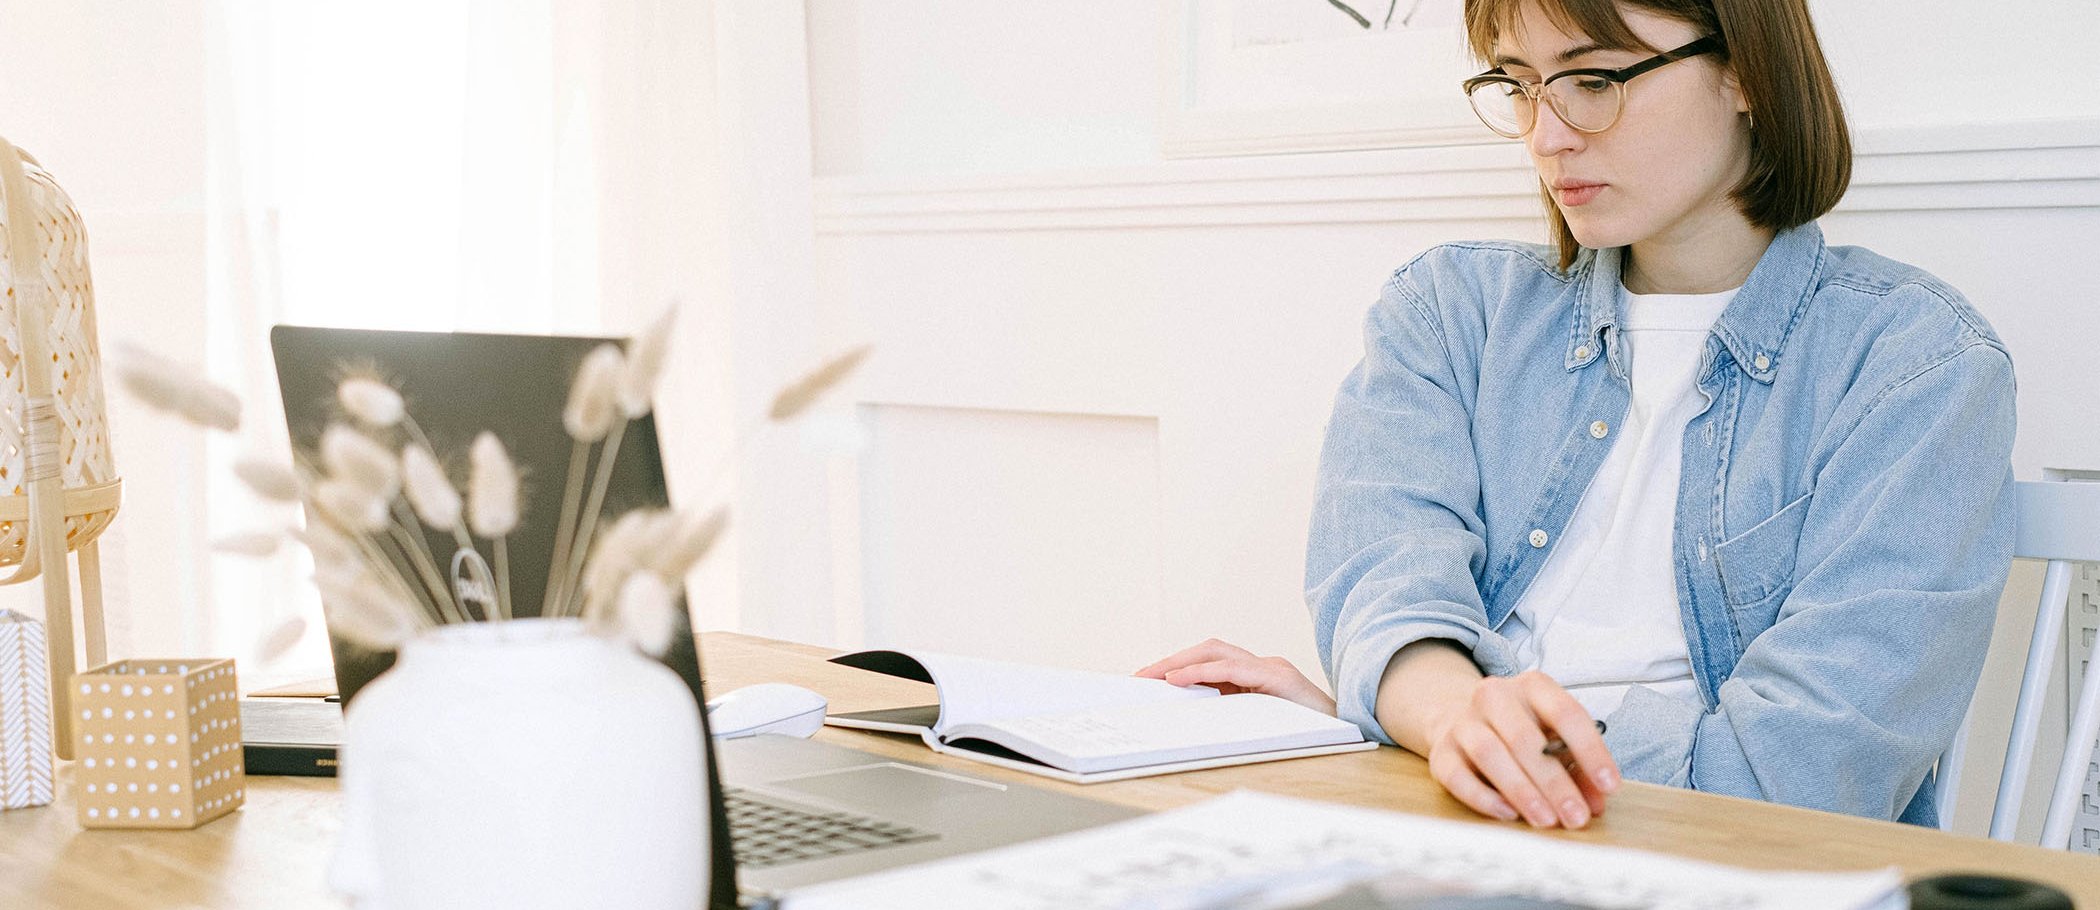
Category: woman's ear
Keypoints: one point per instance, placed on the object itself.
(1733, 88)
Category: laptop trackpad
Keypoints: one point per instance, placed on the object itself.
(899, 784)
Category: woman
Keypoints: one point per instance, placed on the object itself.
(1741, 495)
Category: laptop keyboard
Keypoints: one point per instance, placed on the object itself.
(765, 833)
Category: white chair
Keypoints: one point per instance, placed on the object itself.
(2059, 521)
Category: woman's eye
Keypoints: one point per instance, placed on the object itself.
(1595, 85)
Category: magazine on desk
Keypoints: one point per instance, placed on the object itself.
(1253, 851)
(1086, 727)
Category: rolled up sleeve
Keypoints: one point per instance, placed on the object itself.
(1396, 538)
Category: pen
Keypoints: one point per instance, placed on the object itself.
(1556, 748)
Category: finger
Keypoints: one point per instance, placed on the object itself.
(1594, 797)
(1239, 671)
(1560, 713)
(1202, 652)
(1246, 673)
(1591, 794)
(1268, 676)
(1450, 770)
(1490, 757)
(1512, 720)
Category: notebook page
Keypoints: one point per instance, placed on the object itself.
(1235, 850)
(979, 690)
(1153, 734)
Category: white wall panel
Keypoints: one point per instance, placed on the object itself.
(1011, 534)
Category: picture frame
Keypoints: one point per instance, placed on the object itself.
(1246, 77)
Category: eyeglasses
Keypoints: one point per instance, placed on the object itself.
(1588, 100)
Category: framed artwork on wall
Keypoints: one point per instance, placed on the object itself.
(1248, 77)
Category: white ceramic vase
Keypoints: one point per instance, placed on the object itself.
(522, 764)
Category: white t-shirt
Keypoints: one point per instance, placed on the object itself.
(1602, 615)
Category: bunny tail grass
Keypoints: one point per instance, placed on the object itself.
(592, 511)
(492, 488)
(503, 606)
(803, 392)
(594, 398)
(269, 479)
(646, 354)
(646, 613)
(429, 491)
(564, 533)
(372, 402)
(169, 386)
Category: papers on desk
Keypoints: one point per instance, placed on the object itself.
(1251, 850)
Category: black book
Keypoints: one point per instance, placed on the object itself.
(290, 736)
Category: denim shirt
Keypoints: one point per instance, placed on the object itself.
(1844, 517)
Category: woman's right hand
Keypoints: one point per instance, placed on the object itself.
(1488, 751)
(1232, 669)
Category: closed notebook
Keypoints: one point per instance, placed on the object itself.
(291, 736)
(1090, 727)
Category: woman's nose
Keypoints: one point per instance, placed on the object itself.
(1551, 135)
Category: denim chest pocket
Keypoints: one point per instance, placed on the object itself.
(1757, 567)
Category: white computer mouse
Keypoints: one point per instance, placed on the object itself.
(766, 708)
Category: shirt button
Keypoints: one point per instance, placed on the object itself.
(1538, 538)
(1762, 362)
(1582, 354)
(1599, 429)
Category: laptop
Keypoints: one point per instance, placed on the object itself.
(785, 812)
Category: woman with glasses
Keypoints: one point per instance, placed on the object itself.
(1740, 496)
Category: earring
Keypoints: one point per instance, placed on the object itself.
(1752, 119)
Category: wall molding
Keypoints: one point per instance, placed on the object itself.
(2020, 165)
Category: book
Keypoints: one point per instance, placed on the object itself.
(290, 736)
(1087, 727)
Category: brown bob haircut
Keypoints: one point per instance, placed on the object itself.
(1800, 148)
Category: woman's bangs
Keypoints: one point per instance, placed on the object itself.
(1599, 20)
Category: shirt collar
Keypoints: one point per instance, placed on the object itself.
(1754, 327)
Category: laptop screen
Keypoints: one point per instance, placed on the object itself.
(458, 385)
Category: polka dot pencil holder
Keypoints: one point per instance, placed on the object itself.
(158, 743)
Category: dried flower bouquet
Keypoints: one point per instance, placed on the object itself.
(376, 482)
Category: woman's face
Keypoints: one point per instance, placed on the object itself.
(1666, 167)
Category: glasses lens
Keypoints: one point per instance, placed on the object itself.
(1587, 103)
(1502, 106)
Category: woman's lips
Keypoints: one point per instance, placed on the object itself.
(1578, 193)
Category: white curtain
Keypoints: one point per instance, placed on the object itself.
(395, 164)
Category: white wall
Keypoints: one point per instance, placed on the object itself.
(109, 95)
(1042, 285)
(949, 86)
(129, 106)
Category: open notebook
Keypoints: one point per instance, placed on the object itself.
(1087, 727)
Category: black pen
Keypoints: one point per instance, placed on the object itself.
(1555, 747)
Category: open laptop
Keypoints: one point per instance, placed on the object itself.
(797, 812)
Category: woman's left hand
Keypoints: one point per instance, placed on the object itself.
(1232, 669)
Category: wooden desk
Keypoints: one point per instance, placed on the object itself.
(273, 853)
